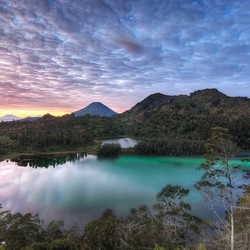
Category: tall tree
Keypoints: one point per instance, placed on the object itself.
(219, 183)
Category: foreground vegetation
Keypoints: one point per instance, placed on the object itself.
(168, 225)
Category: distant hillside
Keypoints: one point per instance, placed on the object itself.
(171, 125)
(9, 117)
(95, 108)
(207, 101)
(30, 118)
(190, 117)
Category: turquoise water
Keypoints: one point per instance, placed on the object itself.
(79, 189)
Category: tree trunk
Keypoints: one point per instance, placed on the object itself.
(231, 207)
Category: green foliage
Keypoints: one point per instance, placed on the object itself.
(20, 230)
(169, 223)
(201, 247)
(140, 229)
(55, 230)
(242, 216)
(102, 233)
(63, 244)
(157, 247)
(7, 144)
(37, 246)
(109, 150)
(27, 232)
(173, 147)
(53, 133)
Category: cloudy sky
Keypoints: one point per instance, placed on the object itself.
(58, 56)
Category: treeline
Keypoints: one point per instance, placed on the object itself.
(183, 131)
(171, 147)
(44, 138)
(189, 126)
(55, 133)
(109, 150)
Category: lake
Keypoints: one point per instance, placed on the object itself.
(78, 189)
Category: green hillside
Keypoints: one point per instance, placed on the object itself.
(163, 121)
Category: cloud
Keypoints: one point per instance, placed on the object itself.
(65, 54)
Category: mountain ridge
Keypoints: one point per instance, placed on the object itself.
(9, 118)
(201, 101)
(206, 100)
(184, 120)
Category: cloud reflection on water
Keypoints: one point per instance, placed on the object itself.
(79, 190)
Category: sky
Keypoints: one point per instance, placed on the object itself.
(58, 56)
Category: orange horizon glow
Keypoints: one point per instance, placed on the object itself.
(32, 113)
(25, 113)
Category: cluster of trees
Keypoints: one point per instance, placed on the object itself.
(169, 223)
(172, 147)
(191, 126)
(28, 232)
(109, 150)
(45, 139)
(55, 133)
(7, 144)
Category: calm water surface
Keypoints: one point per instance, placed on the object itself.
(79, 189)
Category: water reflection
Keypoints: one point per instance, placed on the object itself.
(47, 161)
(79, 188)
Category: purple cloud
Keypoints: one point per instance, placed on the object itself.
(65, 54)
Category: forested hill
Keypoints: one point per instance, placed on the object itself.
(184, 117)
(207, 101)
(174, 125)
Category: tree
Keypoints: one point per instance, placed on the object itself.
(174, 214)
(102, 233)
(109, 150)
(169, 223)
(22, 230)
(139, 229)
(63, 244)
(219, 183)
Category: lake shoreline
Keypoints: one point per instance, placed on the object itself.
(85, 150)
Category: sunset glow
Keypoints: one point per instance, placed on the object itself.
(59, 56)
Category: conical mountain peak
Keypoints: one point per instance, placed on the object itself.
(95, 108)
